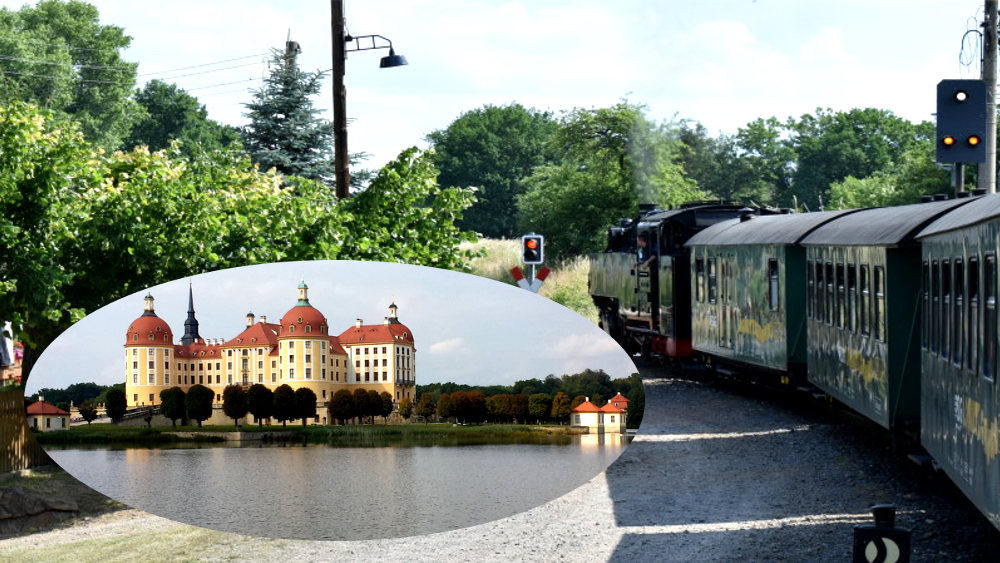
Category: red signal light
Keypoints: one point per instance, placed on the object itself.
(531, 243)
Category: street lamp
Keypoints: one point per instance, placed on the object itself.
(342, 44)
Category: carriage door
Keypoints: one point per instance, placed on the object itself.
(646, 281)
(726, 301)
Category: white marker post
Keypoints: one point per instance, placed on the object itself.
(535, 284)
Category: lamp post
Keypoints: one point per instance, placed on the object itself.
(342, 44)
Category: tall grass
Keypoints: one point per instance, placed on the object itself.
(566, 285)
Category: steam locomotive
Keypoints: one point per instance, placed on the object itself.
(891, 311)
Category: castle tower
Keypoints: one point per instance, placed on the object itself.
(191, 324)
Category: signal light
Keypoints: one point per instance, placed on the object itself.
(532, 249)
(961, 121)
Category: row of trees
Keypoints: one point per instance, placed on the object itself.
(572, 176)
(361, 404)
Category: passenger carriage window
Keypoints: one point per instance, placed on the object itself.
(925, 317)
(958, 285)
(935, 307)
(990, 318)
(866, 299)
(945, 308)
(879, 316)
(810, 290)
(829, 293)
(972, 319)
(840, 297)
(772, 280)
(699, 280)
(852, 298)
(712, 281)
(820, 293)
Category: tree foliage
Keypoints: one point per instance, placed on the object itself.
(172, 404)
(81, 228)
(284, 404)
(116, 404)
(540, 405)
(285, 131)
(612, 159)
(405, 408)
(386, 405)
(426, 406)
(341, 406)
(305, 404)
(493, 148)
(171, 114)
(445, 407)
(560, 406)
(260, 402)
(234, 403)
(198, 403)
(58, 55)
(88, 412)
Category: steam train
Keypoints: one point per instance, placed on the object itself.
(891, 311)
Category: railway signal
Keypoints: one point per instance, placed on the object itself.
(961, 121)
(532, 249)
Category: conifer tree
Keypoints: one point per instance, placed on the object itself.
(285, 130)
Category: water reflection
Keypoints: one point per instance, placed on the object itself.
(345, 492)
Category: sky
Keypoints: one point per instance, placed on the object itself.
(466, 329)
(722, 63)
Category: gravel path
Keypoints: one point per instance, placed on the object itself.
(716, 474)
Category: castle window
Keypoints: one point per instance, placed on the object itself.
(291, 358)
(217, 376)
(309, 374)
(308, 342)
(357, 377)
(383, 349)
(274, 377)
(165, 338)
(308, 329)
(274, 364)
(229, 353)
(151, 337)
(166, 365)
(324, 393)
(323, 374)
(135, 365)
(367, 376)
(201, 379)
(322, 329)
(246, 352)
(201, 366)
(217, 365)
(308, 358)
(135, 351)
(300, 320)
(385, 375)
(135, 338)
(291, 373)
(150, 364)
(135, 379)
(291, 328)
(230, 378)
(260, 364)
(166, 379)
(152, 378)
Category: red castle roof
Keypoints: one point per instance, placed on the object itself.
(586, 406)
(41, 407)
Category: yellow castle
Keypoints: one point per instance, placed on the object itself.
(299, 351)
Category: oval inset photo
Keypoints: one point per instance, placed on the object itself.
(334, 400)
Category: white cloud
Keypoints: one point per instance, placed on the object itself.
(445, 346)
(585, 345)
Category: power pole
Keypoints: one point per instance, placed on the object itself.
(341, 162)
(988, 169)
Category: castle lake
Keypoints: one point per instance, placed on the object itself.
(358, 492)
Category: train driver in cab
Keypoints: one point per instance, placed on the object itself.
(647, 253)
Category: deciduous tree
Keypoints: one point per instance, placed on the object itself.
(198, 403)
(284, 404)
(386, 405)
(234, 403)
(173, 114)
(445, 407)
(260, 402)
(305, 404)
(341, 406)
(560, 407)
(116, 404)
(426, 406)
(405, 408)
(88, 412)
(172, 404)
(540, 405)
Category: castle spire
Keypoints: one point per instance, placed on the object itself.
(149, 311)
(303, 295)
(191, 324)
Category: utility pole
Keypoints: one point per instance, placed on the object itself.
(341, 163)
(988, 169)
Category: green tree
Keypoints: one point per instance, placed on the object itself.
(493, 149)
(540, 405)
(88, 412)
(305, 404)
(426, 406)
(58, 55)
(116, 404)
(373, 404)
(637, 402)
(341, 406)
(560, 406)
(285, 131)
(577, 401)
(173, 114)
(234, 403)
(284, 404)
(718, 167)
(614, 158)
(386, 405)
(63, 405)
(198, 403)
(405, 408)
(361, 404)
(915, 176)
(598, 400)
(519, 406)
(499, 407)
(260, 402)
(172, 404)
(445, 407)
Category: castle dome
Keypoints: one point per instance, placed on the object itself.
(149, 328)
(303, 318)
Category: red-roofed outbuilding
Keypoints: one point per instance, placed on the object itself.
(45, 417)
